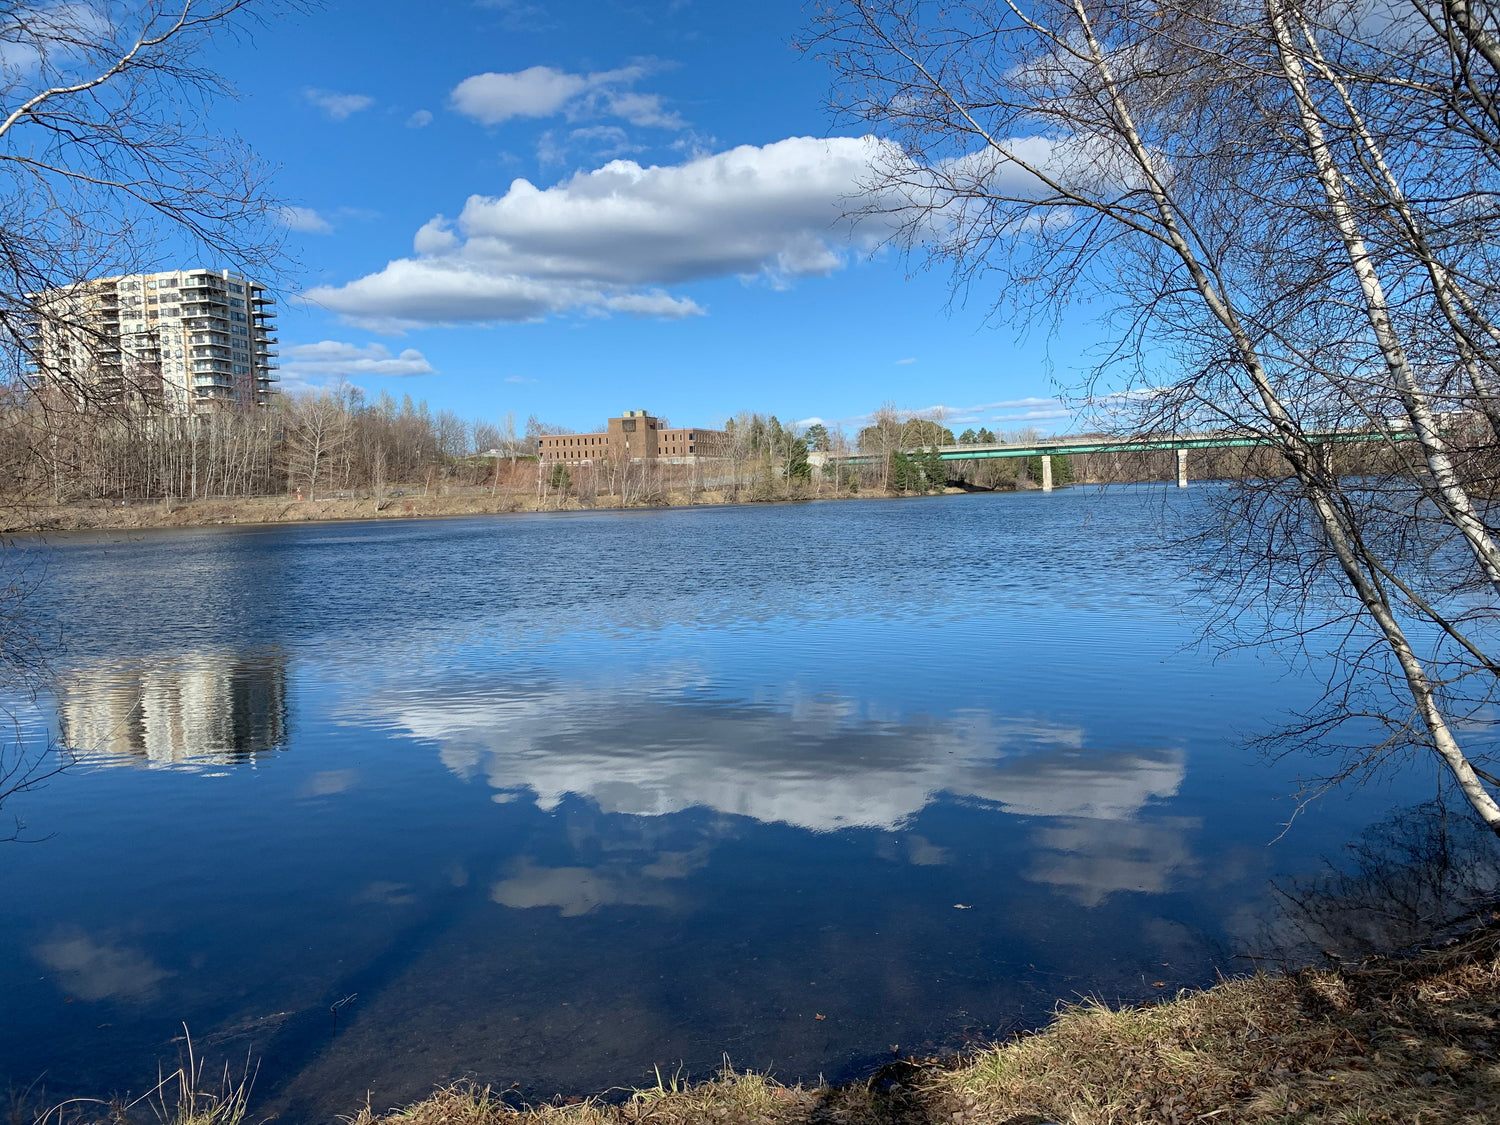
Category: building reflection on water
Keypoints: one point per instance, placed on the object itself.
(212, 707)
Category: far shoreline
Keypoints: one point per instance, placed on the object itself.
(279, 511)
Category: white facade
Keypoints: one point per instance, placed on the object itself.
(188, 340)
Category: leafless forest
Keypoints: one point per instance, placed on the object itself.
(340, 444)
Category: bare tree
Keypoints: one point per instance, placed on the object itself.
(315, 435)
(1232, 176)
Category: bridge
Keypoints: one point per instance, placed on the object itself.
(1048, 448)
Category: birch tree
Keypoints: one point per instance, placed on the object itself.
(1268, 195)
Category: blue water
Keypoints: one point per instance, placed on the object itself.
(560, 799)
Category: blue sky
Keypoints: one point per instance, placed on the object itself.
(465, 238)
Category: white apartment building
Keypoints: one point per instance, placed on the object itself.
(189, 341)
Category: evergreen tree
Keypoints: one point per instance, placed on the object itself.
(968, 437)
(934, 471)
(903, 472)
(817, 438)
(985, 437)
(797, 466)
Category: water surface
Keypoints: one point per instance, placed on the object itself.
(560, 799)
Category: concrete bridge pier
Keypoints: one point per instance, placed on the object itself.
(1046, 472)
(1182, 468)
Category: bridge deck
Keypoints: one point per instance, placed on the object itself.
(1066, 445)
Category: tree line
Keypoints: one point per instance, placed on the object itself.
(57, 449)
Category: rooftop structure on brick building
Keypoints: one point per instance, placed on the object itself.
(184, 341)
(635, 436)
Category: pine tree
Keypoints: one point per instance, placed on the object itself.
(934, 470)
(797, 466)
(902, 472)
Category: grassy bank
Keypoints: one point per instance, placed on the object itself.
(137, 515)
(1412, 1041)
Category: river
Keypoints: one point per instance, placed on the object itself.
(557, 800)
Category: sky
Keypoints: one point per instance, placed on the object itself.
(579, 207)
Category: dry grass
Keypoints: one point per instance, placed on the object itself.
(1414, 1042)
(730, 1099)
(181, 1097)
(106, 516)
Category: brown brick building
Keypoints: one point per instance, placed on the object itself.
(635, 435)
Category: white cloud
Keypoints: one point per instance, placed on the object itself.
(642, 109)
(904, 362)
(1055, 414)
(544, 91)
(419, 120)
(1030, 409)
(601, 142)
(330, 360)
(538, 91)
(611, 239)
(306, 220)
(339, 107)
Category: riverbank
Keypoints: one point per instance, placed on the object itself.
(103, 515)
(1414, 1041)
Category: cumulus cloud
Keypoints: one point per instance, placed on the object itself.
(612, 239)
(306, 220)
(419, 120)
(330, 360)
(538, 91)
(339, 107)
(544, 91)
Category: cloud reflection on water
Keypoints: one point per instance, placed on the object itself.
(820, 768)
(91, 969)
(817, 765)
